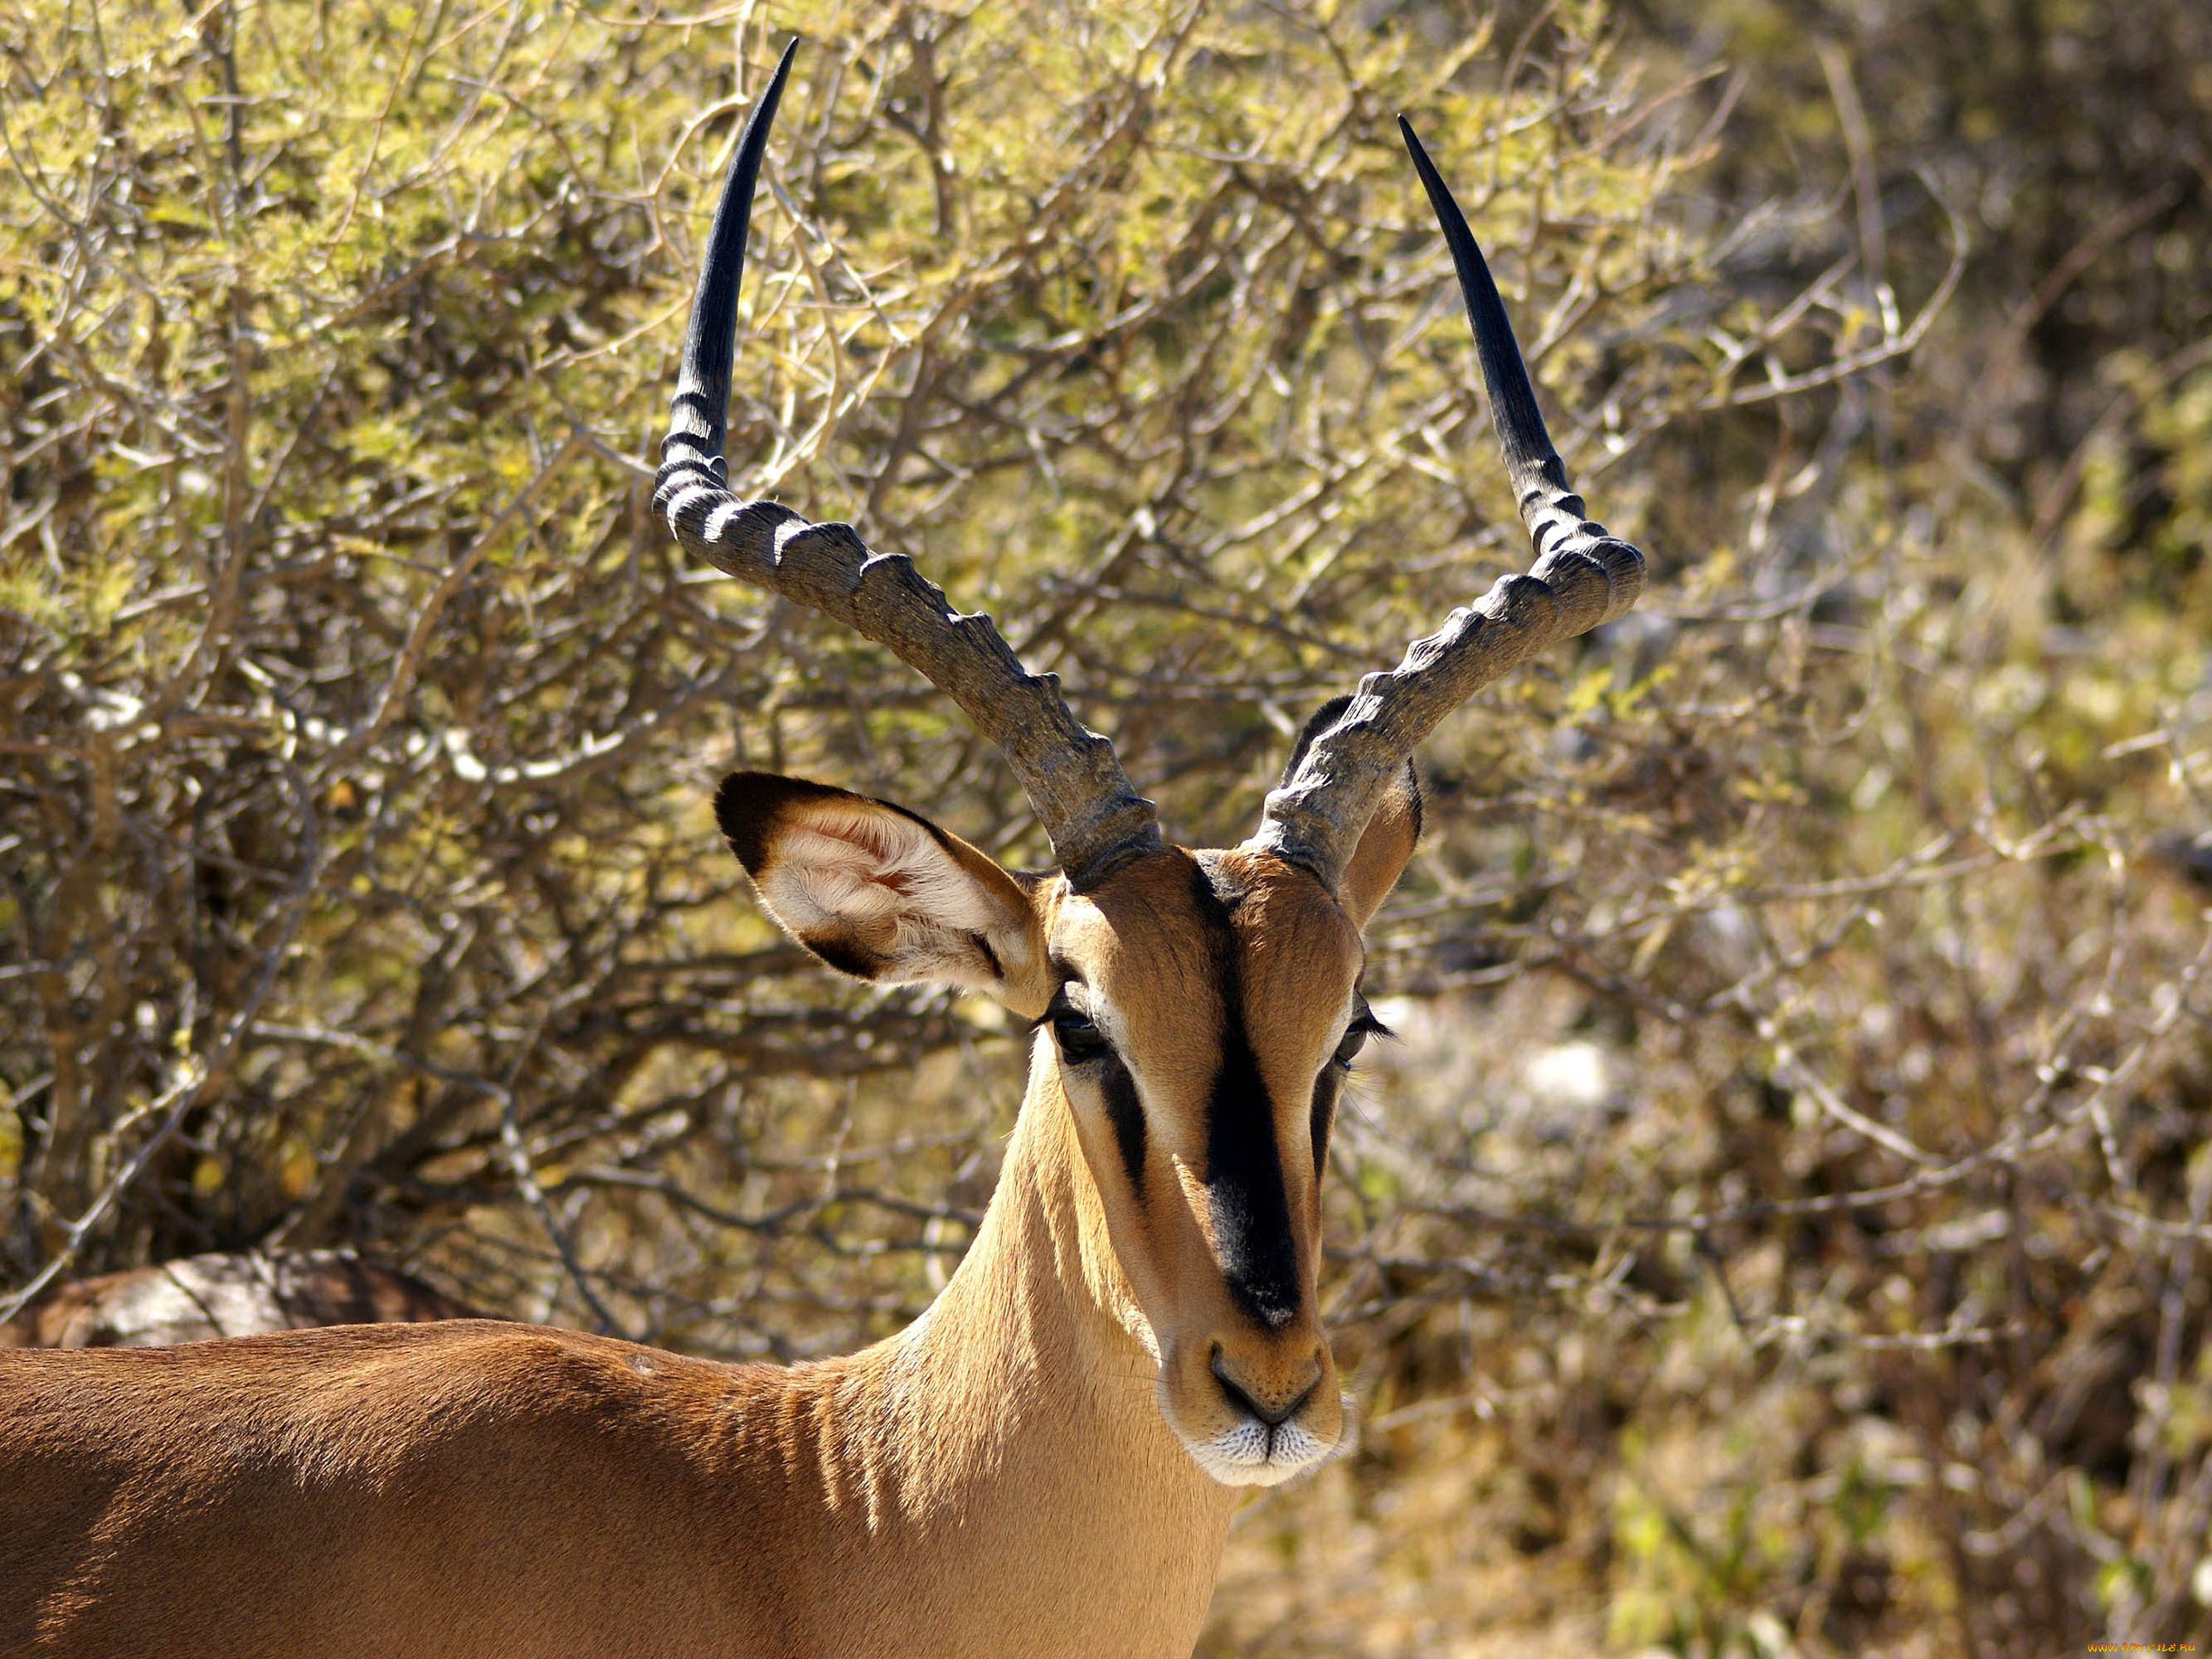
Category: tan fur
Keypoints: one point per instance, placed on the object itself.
(197, 1299)
(1018, 1474)
(1132, 942)
(1381, 856)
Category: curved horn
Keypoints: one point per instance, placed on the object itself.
(1582, 577)
(1094, 819)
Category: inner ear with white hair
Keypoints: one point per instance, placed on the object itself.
(883, 894)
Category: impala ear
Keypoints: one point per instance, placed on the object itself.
(881, 893)
(1387, 842)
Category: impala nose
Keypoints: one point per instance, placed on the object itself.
(1246, 1400)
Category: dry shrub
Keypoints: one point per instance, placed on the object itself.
(1776, 1228)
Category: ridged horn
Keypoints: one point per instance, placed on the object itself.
(1582, 577)
(1094, 819)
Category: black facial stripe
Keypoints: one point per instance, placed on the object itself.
(1127, 1115)
(1324, 1114)
(1249, 1207)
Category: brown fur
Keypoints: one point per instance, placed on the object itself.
(1016, 1474)
(1134, 943)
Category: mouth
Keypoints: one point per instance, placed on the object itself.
(1248, 1452)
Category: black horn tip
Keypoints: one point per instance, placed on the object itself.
(1431, 180)
(782, 71)
(702, 380)
(1513, 411)
(764, 109)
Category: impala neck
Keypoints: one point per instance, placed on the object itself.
(1012, 1432)
(1035, 1349)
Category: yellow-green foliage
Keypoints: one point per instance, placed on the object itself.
(1778, 1229)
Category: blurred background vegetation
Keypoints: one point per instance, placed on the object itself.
(1778, 1229)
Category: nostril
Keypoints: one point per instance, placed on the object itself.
(1274, 1417)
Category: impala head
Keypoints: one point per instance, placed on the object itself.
(1197, 1009)
(1196, 1014)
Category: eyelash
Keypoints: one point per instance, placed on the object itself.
(1364, 1025)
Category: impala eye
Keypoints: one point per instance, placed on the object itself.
(1364, 1025)
(1078, 1036)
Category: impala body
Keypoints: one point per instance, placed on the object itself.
(1044, 1463)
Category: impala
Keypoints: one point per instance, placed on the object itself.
(1045, 1462)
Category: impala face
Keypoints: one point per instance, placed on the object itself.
(1204, 1013)
(1197, 1013)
